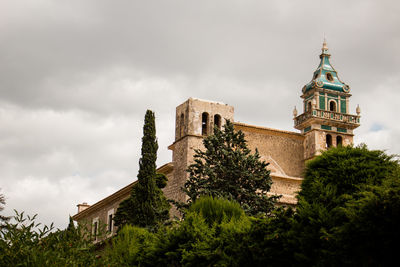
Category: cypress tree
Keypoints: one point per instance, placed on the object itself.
(147, 205)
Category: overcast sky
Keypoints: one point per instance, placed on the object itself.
(76, 78)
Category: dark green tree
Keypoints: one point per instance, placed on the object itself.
(344, 170)
(3, 218)
(228, 169)
(370, 234)
(147, 205)
(332, 181)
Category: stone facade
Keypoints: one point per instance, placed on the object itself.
(325, 122)
(283, 151)
(100, 212)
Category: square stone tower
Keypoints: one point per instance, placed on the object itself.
(195, 119)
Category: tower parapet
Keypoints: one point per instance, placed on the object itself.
(325, 120)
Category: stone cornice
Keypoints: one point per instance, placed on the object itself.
(286, 177)
(171, 147)
(324, 90)
(265, 130)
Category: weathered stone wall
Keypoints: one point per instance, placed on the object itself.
(179, 160)
(283, 150)
(286, 187)
(189, 116)
(169, 189)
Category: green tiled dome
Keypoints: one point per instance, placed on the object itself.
(325, 76)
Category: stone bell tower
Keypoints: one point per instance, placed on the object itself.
(195, 119)
(326, 120)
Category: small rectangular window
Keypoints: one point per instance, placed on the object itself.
(110, 222)
(326, 127)
(204, 123)
(110, 225)
(343, 106)
(95, 230)
(322, 102)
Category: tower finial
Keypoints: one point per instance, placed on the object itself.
(358, 110)
(324, 46)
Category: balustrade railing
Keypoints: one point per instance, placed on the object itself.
(330, 115)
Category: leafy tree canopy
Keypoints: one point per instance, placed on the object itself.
(370, 233)
(228, 169)
(344, 170)
(344, 200)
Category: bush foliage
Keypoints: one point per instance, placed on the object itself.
(24, 242)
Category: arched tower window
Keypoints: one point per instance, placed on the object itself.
(182, 126)
(339, 140)
(332, 106)
(309, 106)
(328, 141)
(329, 77)
(204, 123)
(217, 121)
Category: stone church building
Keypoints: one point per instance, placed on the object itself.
(325, 122)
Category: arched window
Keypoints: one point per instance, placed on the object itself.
(332, 105)
(217, 121)
(182, 126)
(329, 77)
(328, 141)
(204, 123)
(339, 141)
(308, 106)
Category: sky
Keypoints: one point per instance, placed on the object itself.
(76, 78)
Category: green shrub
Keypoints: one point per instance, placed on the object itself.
(26, 243)
(131, 247)
(217, 210)
(208, 236)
